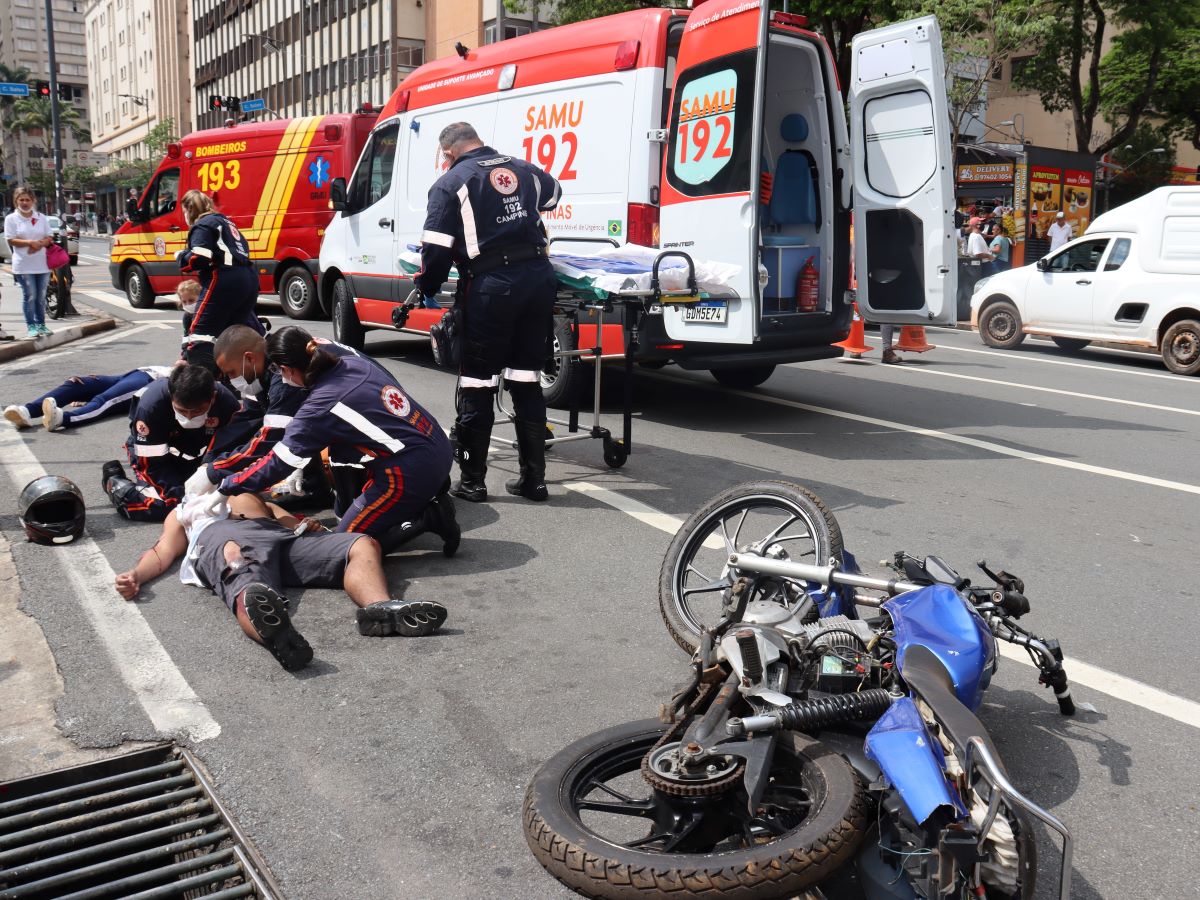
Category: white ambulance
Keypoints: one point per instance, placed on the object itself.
(717, 131)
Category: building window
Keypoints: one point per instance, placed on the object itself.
(511, 30)
(1020, 65)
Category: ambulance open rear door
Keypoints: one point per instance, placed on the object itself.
(905, 248)
(708, 207)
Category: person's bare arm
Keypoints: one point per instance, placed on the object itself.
(170, 545)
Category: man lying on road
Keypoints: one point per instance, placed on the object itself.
(248, 554)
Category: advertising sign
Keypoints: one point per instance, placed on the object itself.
(1045, 198)
(985, 173)
(1077, 199)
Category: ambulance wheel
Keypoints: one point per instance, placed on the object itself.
(298, 293)
(743, 377)
(346, 327)
(137, 288)
(558, 375)
(615, 453)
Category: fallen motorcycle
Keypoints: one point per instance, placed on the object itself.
(815, 751)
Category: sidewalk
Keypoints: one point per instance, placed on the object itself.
(88, 322)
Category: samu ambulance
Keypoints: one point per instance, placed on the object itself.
(717, 131)
(270, 178)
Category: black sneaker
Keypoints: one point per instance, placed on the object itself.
(408, 618)
(111, 469)
(267, 610)
(442, 520)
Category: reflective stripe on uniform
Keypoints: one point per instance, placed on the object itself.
(554, 198)
(199, 339)
(150, 449)
(367, 427)
(202, 251)
(296, 462)
(468, 220)
(520, 375)
(465, 381)
(436, 237)
(274, 421)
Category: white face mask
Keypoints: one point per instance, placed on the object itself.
(190, 308)
(248, 389)
(194, 422)
(290, 383)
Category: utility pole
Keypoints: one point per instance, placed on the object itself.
(58, 187)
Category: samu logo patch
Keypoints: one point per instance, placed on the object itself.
(504, 180)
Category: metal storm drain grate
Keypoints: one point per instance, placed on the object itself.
(146, 824)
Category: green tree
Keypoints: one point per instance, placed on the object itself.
(139, 171)
(80, 178)
(1072, 72)
(1141, 168)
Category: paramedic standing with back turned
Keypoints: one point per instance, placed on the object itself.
(484, 216)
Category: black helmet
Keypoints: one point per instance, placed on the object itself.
(51, 510)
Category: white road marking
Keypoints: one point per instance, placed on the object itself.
(142, 662)
(990, 447)
(121, 302)
(1046, 390)
(99, 259)
(1079, 672)
(1028, 357)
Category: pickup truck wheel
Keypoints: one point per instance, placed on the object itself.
(137, 288)
(347, 329)
(298, 293)
(1181, 347)
(1000, 326)
(1070, 343)
(744, 377)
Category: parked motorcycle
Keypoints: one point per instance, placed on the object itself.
(58, 291)
(814, 752)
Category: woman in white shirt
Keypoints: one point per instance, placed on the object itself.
(28, 234)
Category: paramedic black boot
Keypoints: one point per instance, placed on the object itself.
(111, 469)
(438, 517)
(472, 465)
(531, 446)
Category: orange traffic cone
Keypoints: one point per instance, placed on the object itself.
(912, 340)
(855, 345)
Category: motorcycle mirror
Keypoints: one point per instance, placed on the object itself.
(940, 572)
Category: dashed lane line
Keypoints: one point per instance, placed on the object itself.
(951, 437)
(136, 653)
(1128, 690)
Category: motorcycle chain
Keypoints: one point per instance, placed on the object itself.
(683, 789)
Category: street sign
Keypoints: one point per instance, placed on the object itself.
(254, 105)
(13, 89)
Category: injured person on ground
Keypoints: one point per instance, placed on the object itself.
(248, 552)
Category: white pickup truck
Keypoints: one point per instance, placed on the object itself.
(1133, 278)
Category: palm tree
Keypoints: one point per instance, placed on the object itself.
(19, 75)
(34, 113)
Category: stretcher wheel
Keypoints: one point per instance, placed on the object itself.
(615, 453)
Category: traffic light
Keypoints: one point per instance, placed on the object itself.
(65, 92)
(43, 88)
(232, 104)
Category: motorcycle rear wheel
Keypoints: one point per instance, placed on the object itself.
(757, 512)
(818, 814)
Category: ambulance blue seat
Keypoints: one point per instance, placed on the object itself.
(794, 192)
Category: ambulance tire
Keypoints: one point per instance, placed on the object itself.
(559, 377)
(298, 294)
(137, 288)
(743, 377)
(347, 329)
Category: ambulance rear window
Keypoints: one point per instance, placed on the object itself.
(711, 122)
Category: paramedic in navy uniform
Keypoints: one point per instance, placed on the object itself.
(484, 216)
(219, 257)
(360, 412)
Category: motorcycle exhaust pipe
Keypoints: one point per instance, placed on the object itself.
(817, 713)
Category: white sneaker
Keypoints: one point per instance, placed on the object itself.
(52, 416)
(19, 416)
(5, 336)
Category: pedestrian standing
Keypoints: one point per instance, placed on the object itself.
(5, 336)
(1060, 232)
(28, 234)
(484, 217)
(1001, 247)
(219, 257)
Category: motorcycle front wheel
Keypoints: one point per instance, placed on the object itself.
(776, 518)
(595, 823)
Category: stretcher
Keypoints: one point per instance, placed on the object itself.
(625, 281)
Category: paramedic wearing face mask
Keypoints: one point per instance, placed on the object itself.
(171, 427)
(357, 410)
(219, 257)
(484, 218)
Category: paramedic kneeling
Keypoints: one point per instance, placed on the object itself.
(357, 410)
(484, 217)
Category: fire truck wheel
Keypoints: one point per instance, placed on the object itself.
(743, 377)
(347, 329)
(137, 288)
(298, 293)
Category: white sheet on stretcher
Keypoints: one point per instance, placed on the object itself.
(622, 269)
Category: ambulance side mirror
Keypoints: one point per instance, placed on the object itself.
(132, 211)
(337, 194)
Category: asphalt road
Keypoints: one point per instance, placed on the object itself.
(396, 768)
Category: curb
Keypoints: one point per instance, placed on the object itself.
(19, 348)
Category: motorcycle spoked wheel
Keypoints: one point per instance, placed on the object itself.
(595, 824)
(788, 520)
